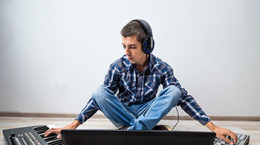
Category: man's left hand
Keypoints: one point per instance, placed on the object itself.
(222, 133)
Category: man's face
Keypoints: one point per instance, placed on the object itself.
(133, 50)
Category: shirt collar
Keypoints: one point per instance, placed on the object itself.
(151, 65)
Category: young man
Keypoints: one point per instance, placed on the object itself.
(128, 96)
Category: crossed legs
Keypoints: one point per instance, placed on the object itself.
(136, 117)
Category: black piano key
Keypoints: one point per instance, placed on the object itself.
(41, 131)
(47, 139)
(41, 128)
(53, 134)
(42, 135)
(56, 142)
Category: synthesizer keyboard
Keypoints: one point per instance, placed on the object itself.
(33, 135)
(242, 139)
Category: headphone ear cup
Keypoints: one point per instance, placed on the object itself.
(145, 46)
(148, 45)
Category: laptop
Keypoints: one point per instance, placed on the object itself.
(136, 137)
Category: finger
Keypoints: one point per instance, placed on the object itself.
(46, 133)
(50, 131)
(233, 135)
(59, 136)
(225, 139)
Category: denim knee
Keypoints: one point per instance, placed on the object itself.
(174, 92)
(99, 94)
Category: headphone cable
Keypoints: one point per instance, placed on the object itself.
(178, 118)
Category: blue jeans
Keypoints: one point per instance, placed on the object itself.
(136, 117)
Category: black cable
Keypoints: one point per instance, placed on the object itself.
(177, 118)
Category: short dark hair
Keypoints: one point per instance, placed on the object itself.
(134, 28)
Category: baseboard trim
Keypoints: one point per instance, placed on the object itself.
(223, 118)
(17, 114)
(219, 118)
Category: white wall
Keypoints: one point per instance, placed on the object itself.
(54, 53)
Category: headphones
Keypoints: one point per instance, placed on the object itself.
(148, 43)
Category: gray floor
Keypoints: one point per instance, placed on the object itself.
(243, 127)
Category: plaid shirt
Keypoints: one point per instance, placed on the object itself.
(136, 88)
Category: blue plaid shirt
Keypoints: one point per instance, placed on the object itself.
(133, 87)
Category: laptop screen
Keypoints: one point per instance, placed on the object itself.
(136, 137)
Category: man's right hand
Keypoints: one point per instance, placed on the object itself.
(73, 125)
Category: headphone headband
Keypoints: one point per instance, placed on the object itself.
(145, 26)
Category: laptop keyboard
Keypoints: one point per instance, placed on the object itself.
(242, 139)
